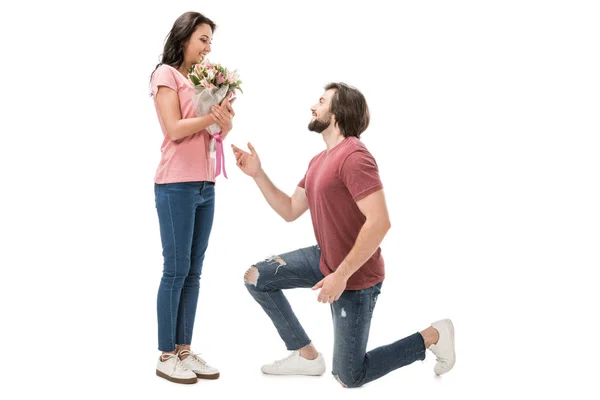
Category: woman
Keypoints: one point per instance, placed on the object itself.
(184, 192)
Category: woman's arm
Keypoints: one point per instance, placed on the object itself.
(178, 128)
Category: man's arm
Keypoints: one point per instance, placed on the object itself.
(369, 238)
(289, 208)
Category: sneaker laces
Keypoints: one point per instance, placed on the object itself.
(279, 362)
(194, 358)
(179, 366)
(441, 360)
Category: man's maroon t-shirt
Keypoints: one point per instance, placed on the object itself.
(335, 181)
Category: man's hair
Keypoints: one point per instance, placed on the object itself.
(350, 109)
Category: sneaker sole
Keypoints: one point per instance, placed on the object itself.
(451, 329)
(213, 376)
(176, 380)
(295, 373)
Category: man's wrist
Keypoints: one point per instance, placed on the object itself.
(342, 272)
(260, 174)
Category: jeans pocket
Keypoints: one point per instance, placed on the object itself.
(376, 290)
(208, 190)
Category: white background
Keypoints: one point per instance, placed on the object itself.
(485, 124)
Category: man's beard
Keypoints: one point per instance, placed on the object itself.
(318, 125)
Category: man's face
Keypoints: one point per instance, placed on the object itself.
(321, 114)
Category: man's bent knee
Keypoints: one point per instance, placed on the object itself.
(347, 382)
(251, 276)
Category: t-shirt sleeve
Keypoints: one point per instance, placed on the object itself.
(302, 183)
(163, 76)
(360, 174)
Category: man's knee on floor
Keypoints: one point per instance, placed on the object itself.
(347, 381)
(251, 276)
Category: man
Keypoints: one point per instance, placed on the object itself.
(345, 196)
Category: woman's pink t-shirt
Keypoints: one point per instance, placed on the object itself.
(187, 159)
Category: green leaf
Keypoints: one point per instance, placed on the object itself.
(195, 80)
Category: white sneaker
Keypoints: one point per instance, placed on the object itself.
(196, 364)
(172, 369)
(294, 364)
(444, 349)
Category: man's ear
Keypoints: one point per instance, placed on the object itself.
(333, 120)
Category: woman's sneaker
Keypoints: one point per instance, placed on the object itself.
(194, 363)
(172, 369)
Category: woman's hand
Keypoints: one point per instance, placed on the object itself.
(228, 101)
(223, 118)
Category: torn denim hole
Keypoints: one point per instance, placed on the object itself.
(251, 276)
(278, 260)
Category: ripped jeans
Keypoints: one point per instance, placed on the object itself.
(351, 314)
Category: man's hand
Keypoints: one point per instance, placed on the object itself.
(332, 287)
(249, 163)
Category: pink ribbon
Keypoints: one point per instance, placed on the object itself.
(220, 155)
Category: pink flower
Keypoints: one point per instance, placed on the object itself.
(206, 84)
(233, 77)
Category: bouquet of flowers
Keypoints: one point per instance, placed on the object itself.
(213, 82)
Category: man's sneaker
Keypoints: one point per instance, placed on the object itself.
(444, 348)
(294, 364)
(196, 364)
(172, 369)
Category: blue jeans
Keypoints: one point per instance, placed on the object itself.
(185, 215)
(351, 314)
